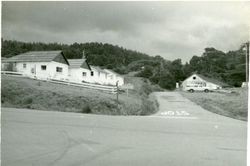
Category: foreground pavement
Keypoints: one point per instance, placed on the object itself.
(180, 134)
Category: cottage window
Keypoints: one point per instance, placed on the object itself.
(106, 76)
(43, 67)
(92, 73)
(24, 65)
(59, 69)
(84, 74)
(99, 74)
(194, 78)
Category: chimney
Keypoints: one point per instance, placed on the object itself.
(83, 55)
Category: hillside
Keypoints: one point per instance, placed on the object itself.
(20, 92)
(227, 67)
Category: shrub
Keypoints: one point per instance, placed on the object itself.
(27, 100)
(86, 109)
(167, 81)
(146, 72)
(148, 106)
(145, 89)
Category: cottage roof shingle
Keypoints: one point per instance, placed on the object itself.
(34, 56)
(78, 63)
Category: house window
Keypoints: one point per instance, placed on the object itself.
(194, 78)
(59, 69)
(24, 65)
(84, 74)
(106, 76)
(43, 67)
(99, 74)
(92, 73)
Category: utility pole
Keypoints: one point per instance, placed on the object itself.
(247, 61)
(246, 46)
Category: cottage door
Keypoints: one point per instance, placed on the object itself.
(33, 70)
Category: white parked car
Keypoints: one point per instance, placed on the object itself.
(196, 87)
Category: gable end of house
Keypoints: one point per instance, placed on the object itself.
(60, 58)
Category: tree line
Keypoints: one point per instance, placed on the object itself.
(227, 67)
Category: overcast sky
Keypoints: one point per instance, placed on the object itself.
(170, 29)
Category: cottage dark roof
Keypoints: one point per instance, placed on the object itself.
(35, 56)
(217, 82)
(78, 63)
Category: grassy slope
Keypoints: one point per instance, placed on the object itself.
(232, 105)
(33, 94)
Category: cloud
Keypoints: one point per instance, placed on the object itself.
(171, 29)
(66, 16)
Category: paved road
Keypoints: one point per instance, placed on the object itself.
(180, 134)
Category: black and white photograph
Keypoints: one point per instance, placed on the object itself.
(124, 83)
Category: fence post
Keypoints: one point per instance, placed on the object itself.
(117, 93)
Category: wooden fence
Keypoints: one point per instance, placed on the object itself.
(12, 73)
(104, 88)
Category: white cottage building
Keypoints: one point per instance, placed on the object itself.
(114, 77)
(200, 82)
(54, 65)
(99, 76)
(39, 64)
(80, 71)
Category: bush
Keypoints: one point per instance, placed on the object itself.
(148, 106)
(121, 70)
(28, 100)
(145, 88)
(167, 82)
(86, 109)
(146, 72)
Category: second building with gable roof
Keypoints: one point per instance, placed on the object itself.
(79, 71)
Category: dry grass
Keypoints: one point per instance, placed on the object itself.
(232, 105)
(33, 94)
